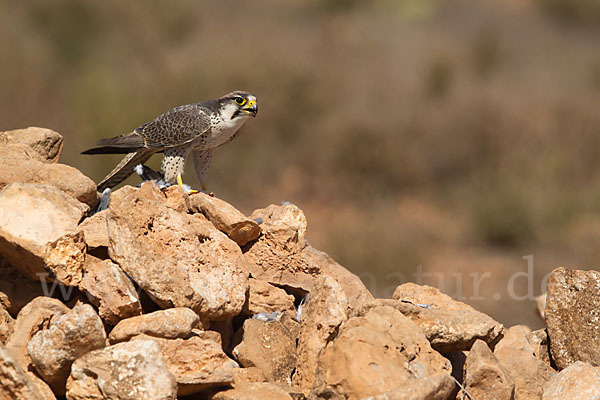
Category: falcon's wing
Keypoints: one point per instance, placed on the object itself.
(176, 127)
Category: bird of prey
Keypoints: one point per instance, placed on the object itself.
(196, 128)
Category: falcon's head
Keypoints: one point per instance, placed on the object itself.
(238, 104)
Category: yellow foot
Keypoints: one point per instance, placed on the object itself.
(185, 188)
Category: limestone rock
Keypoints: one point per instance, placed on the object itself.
(22, 164)
(177, 199)
(254, 391)
(168, 324)
(38, 232)
(95, 231)
(374, 354)
(71, 335)
(270, 346)
(448, 324)
(266, 298)
(538, 341)
(6, 325)
(16, 291)
(180, 260)
(540, 305)
(248, 375)
(572, 313)
(516, 354)
(485, 377)
(433, 387)
(282, 256)
(14, 382)
(197, 363)
(322, 316)
(47, 143)
(109, 289)
(126, 371)
(226, 218)
(579, 381)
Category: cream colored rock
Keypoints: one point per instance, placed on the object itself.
(226, 218)
(39, 234)
(7, 325)
(485, 378)
(449, 325)
(14, 382)
(109, 289)
(254, 391)
(168, 324)
(180, 260)
(540, 305)
(248, 375)
(572, 313)
(433, 387)
(282, 256)
(516, 354)
(45, 142)
(374, 354)
(270, 346)
(197, 363)
(95, 231)
(321, 318)
(70, 335)
(539, 343)
(126, 371)
(22, 163)
(266, 298)
(177, 199)
(579, 381)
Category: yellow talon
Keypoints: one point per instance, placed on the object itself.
(179, 180)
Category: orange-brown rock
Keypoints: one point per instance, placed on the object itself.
(95, 231)
(109, 289)
(572, 312)
(168, 324)
(376, 353)
(579, 381)
(197, 363)
(126, 371)
(266, 298)
(45, 142)
(180, 260)
(16, 290)
(177, 199)
(226, 218)
(68, 337)
(268, 345)
(39, 234)
(448, 324)
(254, 391)
(14, 382)
(6, 325)
(282, 256)
(516, 354)
(484, 377)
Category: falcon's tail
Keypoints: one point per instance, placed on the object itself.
(125, 168)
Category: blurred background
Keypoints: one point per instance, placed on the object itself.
(446, 139)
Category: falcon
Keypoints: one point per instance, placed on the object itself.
(195, 129)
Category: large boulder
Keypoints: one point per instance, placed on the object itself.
(579, 381)
(39, 234)
(572, 310)
(375, 353)
(47, 143)
(180, 260)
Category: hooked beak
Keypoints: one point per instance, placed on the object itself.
(251, 108)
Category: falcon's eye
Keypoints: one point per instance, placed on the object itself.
(240, 101)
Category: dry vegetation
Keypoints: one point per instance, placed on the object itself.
(456, 135)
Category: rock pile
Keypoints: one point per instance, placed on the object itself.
(165, 296)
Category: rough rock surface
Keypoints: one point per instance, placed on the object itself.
(254, 391)
(516, 354)
(580, 381)
(109, 289)
(31, 155)
(7, 325)
(374, 354)
(485, 378)
(14, 382)
(70, 335)
(448, 324)
(226, 218)
(282, 256)
(266, 298)
(180, 260)
(572, 314)
(168, 324)
(270, 346)
(126, 371)
(95, 231)
(38, 232)
(322, 316)
(197, 363)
